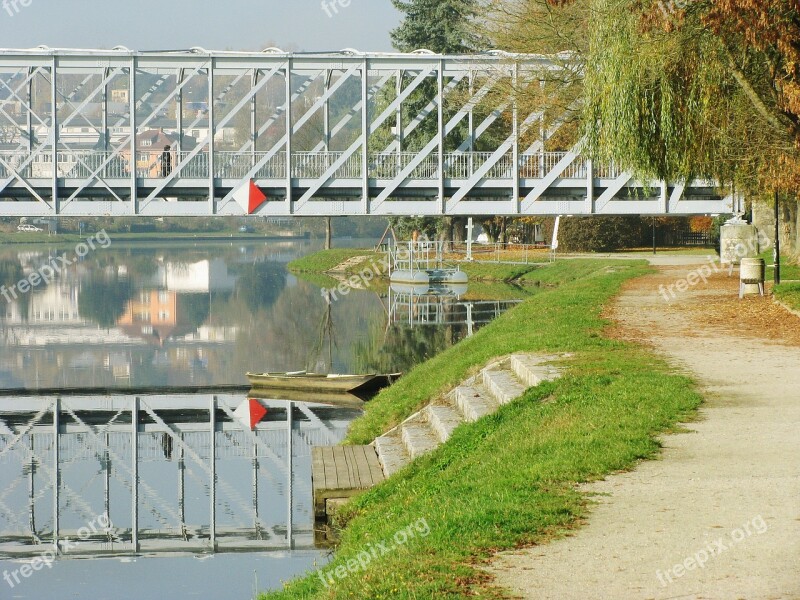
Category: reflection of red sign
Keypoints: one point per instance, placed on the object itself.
(250, 197)
(250, 412)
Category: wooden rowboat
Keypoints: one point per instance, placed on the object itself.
(315, 382)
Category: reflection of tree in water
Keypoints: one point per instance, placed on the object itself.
(102, 298)
(259, 285)
(301, 331)
(193, 310)
(401, 347)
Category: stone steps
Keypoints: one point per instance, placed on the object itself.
(474, 401)
(532, 370)
(419, 438)
(497, 384)
(503, 385)
(392, 453)
(443, 420)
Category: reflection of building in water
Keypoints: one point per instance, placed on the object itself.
(199, 277)
(54, 305)
(173, 473)
(51, 317)
(207, 334)
(46, 342)
(151, 315)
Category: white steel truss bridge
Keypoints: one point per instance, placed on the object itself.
(194, 133)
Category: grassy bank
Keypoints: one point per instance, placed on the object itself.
(789, 269)
(508, 480)
(789, 294)
(326, 260)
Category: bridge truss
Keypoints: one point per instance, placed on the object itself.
(193, 133)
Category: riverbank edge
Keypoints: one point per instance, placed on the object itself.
(325, 263)
(508, 480)
(22, 239)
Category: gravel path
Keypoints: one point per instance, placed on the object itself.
(726, 494)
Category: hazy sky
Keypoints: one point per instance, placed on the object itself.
(172, 24)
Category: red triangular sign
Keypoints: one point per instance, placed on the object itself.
(257, 412)
(250, 412)
(257, 198)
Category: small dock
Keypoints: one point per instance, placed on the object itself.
(422, 263)
(339, 472)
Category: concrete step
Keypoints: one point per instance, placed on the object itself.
(419, 439)
(474, 401)
(392, 453)
(503, 384)
(443, 420)
(530, 371)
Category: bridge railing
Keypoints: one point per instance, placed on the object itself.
(110, 165)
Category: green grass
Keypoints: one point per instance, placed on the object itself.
(325, 260)
(789, 294)
(478, 271)
(508, 480)
(789, 269)
(488, 290)
(317, 279)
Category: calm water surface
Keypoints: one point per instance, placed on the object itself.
(198, 505)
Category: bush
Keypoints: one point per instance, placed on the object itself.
(600, 234)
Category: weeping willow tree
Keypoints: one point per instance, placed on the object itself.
(694, 91)
(663, 101)
(675, 89)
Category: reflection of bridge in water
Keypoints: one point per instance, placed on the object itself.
(187, 477)
(419, 305)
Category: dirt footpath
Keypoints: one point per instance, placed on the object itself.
(718, 517)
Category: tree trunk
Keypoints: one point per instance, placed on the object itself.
(788, 215)
(797, 230)
(328, 233)
(458, 226)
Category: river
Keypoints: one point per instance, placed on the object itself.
(199, 506)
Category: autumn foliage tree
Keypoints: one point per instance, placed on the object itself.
(677, 89)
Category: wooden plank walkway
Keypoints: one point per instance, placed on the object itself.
(341, 472)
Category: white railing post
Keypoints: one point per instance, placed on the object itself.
(132, 162)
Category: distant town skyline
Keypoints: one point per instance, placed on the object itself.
(300, 25)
